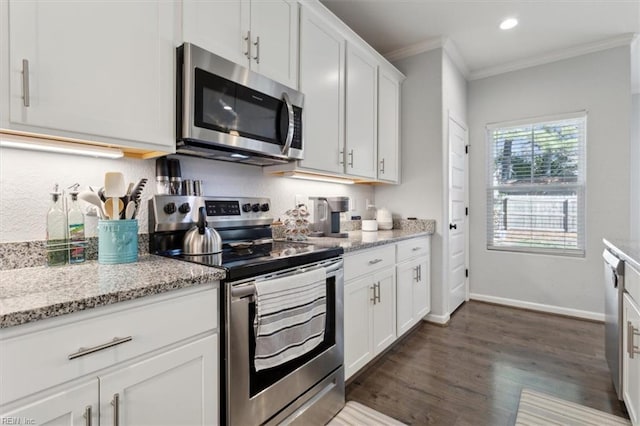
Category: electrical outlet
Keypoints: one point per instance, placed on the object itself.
(300, 199)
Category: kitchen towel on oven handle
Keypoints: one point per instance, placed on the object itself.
(290, 317)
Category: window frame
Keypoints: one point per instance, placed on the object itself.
(580, 186)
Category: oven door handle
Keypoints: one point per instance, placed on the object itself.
(249, 289)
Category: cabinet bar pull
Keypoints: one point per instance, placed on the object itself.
(87, 415)
(416, 275)
(419, 272)
(631, 333)
(373, 299)
(341, 157)
(351, 158)
(378, 287)
(248, 40)
(382, 166)
(25, 82)
(374, 261)
(116, 409)
(86, 351)
(416, 248)
(257, 45)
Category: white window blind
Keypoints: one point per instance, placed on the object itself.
(536, 186)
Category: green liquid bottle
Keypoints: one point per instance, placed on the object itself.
(75, 219)
(57, 241)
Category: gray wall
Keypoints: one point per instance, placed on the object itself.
(433, 87)
(600, 84)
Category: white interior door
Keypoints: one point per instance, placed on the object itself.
(458, 291)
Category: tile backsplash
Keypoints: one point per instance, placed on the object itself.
(26, 178)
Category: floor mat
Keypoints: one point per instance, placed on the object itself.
(538, 409)
(355, 414)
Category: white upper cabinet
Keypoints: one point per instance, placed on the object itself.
(96, 70)
(259, 34)
(322, 82)
(388, 124)
(362, 112)
(219, 27)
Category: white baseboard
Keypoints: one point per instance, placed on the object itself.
(594, 316)
(437, 319)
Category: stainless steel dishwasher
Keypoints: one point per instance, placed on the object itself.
(613, 290)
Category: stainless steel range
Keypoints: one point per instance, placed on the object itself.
(308, 389)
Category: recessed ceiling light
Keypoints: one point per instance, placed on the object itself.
(508, 23)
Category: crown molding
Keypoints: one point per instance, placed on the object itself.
(415, 49)
(444, 43)
(456, 57)
(557, 55)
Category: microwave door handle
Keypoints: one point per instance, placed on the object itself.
(289, 138)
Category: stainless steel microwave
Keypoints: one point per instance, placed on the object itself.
(228, 112)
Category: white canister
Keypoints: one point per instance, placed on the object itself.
(384, 219)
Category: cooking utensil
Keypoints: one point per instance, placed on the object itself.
(108, 206)
(201, 240)
(130, 210)
(136, 195)
(92, 198)
(101, 194)
(114, 188)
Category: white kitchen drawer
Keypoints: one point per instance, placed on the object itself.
(367, 261)
(632, 283)
(39, 358)
(414, 247)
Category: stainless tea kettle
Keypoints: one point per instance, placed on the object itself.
(201, 240)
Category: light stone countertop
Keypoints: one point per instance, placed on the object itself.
(32, 294)
(36, 293)
(628, 250)
(361, 240)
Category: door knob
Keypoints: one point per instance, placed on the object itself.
(453, 226)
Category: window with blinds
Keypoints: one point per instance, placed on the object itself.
(536, 186)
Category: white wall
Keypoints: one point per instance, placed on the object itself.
(635, 140)
(600, 84)
(26, 179)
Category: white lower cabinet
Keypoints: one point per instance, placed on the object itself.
(387, 291)
(75, 405)
(369, 306)
(161, 368)
(631, 358)
(172, 388)
(369, 318)
(413, 282)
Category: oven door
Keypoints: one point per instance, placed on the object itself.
(254, 397)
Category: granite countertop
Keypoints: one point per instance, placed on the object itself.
(32, 294)
(629, 250)
(360, 240)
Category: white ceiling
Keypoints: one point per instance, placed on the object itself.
(547, 28)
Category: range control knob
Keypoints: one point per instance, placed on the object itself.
(255, 207)
(170, 208)
(264, 207)
(184, 208)
(246, 208)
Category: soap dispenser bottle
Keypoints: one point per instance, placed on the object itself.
(75, 219)
(57, 241)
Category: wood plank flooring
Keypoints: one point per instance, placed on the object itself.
(472, 372)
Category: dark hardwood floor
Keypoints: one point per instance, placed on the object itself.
(472, 372)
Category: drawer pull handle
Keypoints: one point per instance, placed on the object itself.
(373, 288)
(416, 248)
(25, 83)
(116, 409)
(374, 261)
(86, 351)
(87, 415)
(631, 333)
